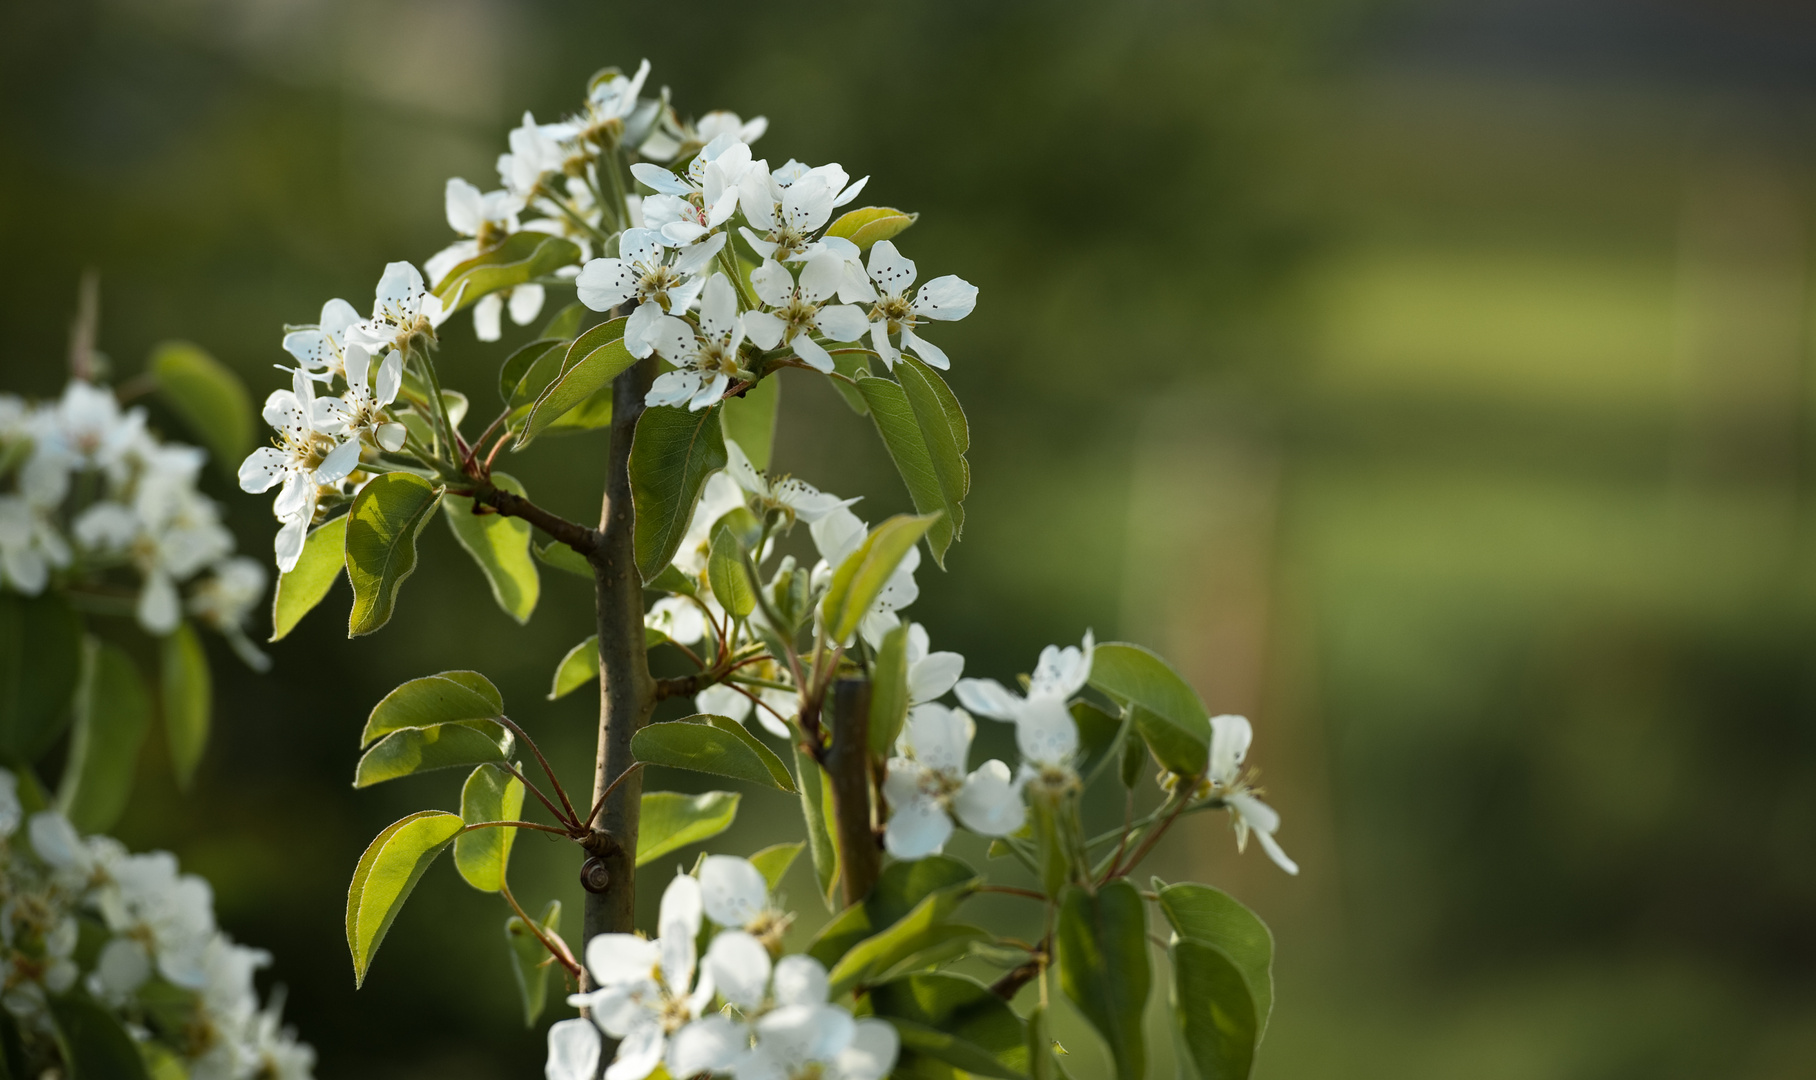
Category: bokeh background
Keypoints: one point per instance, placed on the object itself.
(1429, 380)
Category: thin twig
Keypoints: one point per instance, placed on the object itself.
(599, 803)
(514, 825)
(557, 948)
(546, 767)
(546, 801)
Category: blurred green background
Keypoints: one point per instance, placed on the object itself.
(1430, 381)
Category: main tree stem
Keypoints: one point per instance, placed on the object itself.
(626, 691)
(848, 767)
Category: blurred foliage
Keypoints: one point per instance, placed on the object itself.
(1449, 365)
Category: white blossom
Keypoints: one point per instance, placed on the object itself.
(788, 207)
(705, 361)
(841, 532)
(670, 137)
(642, 271)
(798, 498)
(360, 411)
(401, 307)
(1045, 732)
(1230, 738)
(689, 205)
(321, 348)
(894, 312)
(799, 310)
(927, 786)
(305, 460)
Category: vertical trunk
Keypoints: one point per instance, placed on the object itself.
(848, 763)
(626, 692)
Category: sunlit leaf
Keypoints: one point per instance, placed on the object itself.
(1168, 712)
(434, 699)
(869, 224)
(907, 445)
(316, 571)
(954, 1020)
(889, 692)
(522, 257)
(816, 811)
(578, 668)
(898, 889)
(501, 547)
(671, 821)
(775, 860)
(483, 855)
(858, 580)
(711, 744)
(209, 397)
(589, 365)
(731, 586)
(409, 751)
(388, 515)
(530, 960)
(561, 557)
(386, 874)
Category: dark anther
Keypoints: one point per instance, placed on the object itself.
(594, 877)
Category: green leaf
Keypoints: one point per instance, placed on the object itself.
(113, 709)
(94, 1042)
(188, 698)
(866, 226)
(939, 945)
(501, 547)
(955, 1020)
(1102, 947)
(389, 869)
(898, 889)
(388, 515)
(1168, 713)
(578, 668)
(672, 454)
(901, 431)
(1042, 1064)
(527, 372)
(850, 365)
(1216, 918)
(409, 751)
(1098, 735)
(483, 855)
(725, 573)
(40, 663)
(561, 557)
(434, 699)
(590, 364)
(775, 860)
(889, 692)
(590, 415)
(531, 961)
(711, 744)
(750, 420)
(316, 571)
(816, 811)
(565, 324)
(860, 578)
(1214, 1010)
(522, 256)
(944, 429)
(209, 397)
(671, 821)
(911, 933)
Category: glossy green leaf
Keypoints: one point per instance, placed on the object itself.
(731, 586)
(672, 454)
(434, 699)
(590, 364)
(591, 414)
(531, 960)
(561, 557)
(1098, 735)
(40, 664)
(907, 935)
(188, 699)
(944, 429)
(522, 257)
(858, 580)
(388, 515)
(711, 744)
(565, 324)
(671, 821)
(386, 874)
(209, 397)
(409, 751)
(95, 1044)
(774, 861)
(869, 224)
(1168, 714)
(501, 547)
(1102, 948)
(316, 571)
(850, 365)
(902, 437)
(527, 372)
(889, 692)
(580, 667)
(113, 710)
(1214, 1011)
(954, 1020)
(483, 855)
(1216, 918)
(750, 420)
(1042, 1063)
(816, 811)
(900, 887)
(938, 945)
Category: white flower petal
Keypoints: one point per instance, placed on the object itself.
(871, 1054)
(1230, 738)
(638, 1054)
(987, 697)
(933, 675)
(941, 737)
(616, 959)
(574, 1047)
(918, 827)
(947, 298)
(800, 980)
(842, 322)
(733, 891)
(710, 1044)
(739, 966)
(990, 802)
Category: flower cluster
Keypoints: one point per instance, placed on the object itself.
(80, 917)
(656, 996)
(95, 495)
